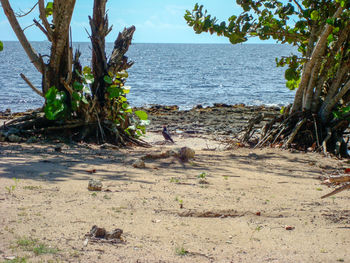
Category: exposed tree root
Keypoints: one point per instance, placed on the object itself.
(37, 126)
(302, 131)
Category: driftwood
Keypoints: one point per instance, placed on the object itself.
(332, 181)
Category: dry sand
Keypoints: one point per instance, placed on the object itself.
(241, 212)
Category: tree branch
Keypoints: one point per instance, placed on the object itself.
(44, 20)
(31, 85)
(31, 53)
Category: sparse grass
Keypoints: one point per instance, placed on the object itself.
(75, 254)
(94, 194)
(118, 209)
(22, 214)
(31, 187)
(225, 177)
(16, 260)
(33, 245)
(181, 251)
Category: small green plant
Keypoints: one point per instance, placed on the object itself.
(10, 189)
(319, 189)
(202, 176)
(106, 197)
(174, 180)
(257, 229)
(181, 251)
(226, 177)
(94, 194)
(33, 245)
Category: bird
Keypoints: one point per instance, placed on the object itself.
(166, 134)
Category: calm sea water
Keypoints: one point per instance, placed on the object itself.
(168, 74)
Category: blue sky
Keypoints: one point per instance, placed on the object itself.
(156, 21)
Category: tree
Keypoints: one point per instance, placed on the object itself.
(88, 103)
(320, 112)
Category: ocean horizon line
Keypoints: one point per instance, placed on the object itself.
(153, 43)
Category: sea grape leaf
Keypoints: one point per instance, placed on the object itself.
(49, 9)
(77, 85)
(108, 79)
(315, 15)
(141, 114)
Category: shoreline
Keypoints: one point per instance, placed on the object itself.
(219, 119)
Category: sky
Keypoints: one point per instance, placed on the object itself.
(156, 21)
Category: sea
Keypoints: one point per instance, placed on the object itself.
(168, 74)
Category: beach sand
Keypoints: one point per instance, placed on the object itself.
(228, 204)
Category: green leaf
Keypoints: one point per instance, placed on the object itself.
(113, 92)
(51, 93)
(145, 122)
(292, 84)
(86, 70)
(122, 74)
(76, 96)
(291, 74)
(89, 78)
(78, 86)
(141, 114)
(122, 99)
(315, 15)
(1, 46)
(86, 90)
(108, 79)
(49, 9)
(83, 99)
(126, 89)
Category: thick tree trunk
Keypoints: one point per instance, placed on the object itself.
(304, 89)
(60, 65)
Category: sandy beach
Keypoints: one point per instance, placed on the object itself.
(230, 203)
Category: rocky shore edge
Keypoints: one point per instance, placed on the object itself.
(219, 119)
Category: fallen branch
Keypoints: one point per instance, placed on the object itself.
(338, 190)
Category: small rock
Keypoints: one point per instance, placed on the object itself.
(14, 138)
(289, 227)
(32, 140)
(253, 156)
(186, 153)
(58, 149)
(95, 185)
(139, 164)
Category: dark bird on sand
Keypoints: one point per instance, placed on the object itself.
(166, 134)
